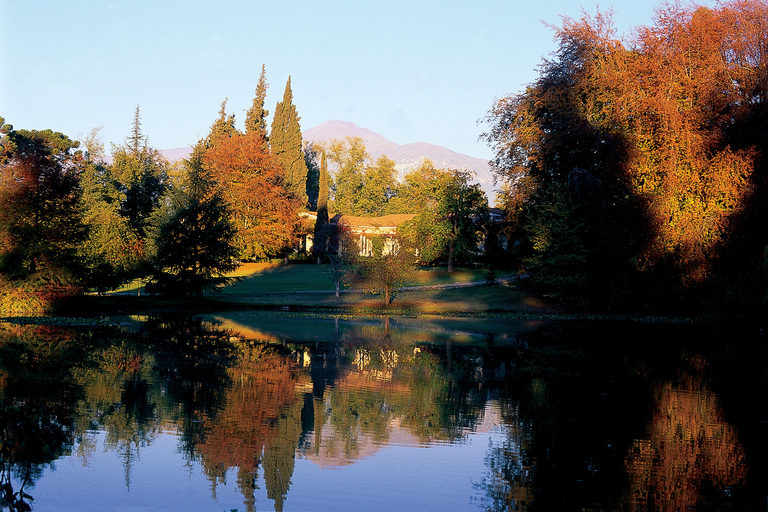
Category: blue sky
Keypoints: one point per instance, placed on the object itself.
(413, 71)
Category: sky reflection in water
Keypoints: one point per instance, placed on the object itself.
(186, 414)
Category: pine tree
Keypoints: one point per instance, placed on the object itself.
(133, 142)
(256, 116)
(193, 243)
(285, 140)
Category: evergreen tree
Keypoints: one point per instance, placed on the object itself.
(320, 243)
(134, 141)
(193, 243)
(223, 127)
(140, 172)
(311, 158)
(285, 140)
(256, 116)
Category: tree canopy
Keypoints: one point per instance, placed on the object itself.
(652, 144)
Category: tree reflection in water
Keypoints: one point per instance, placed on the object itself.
(573, 435)
(36, 422)
(691, 455)
(579, 428)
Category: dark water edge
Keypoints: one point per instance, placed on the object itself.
(591, 415)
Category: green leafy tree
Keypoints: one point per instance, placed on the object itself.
(40, 213)
(379, 187)
(349, 156)
(113, 251)
(312, 157)
(320, 245)
(286, 143)
(140, 172)
(193, 238)
(450, 224)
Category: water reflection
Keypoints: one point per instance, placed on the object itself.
(567, 424)
(691, 455)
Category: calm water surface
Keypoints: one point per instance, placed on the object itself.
(250, 412)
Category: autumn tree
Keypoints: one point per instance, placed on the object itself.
(286, 143)
(642, 135)
(40, 215)
(192, 245)
(264, 211)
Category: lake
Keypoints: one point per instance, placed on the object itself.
(247, 411)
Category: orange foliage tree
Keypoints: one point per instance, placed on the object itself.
(265, 212)
(648, 137)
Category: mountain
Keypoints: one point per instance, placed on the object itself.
(407, 156)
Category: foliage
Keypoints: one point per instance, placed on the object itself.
(256, 117)
(385, 270)
(656, 141)
(349, 156)
(313, 155)
(263, 211)
(113, 252)
(140, 173)
(286, 143)
(450, 223)
(40, 212)
(319, 247)
(192, 244)
(340, 250)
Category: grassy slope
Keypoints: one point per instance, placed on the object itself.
(297, 286)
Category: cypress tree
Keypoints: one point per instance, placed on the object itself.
(256, 116)
(320, 243)
(285, 139)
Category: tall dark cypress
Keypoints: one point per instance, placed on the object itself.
(285, 141)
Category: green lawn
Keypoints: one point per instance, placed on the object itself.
(270, 278)
(307, 286)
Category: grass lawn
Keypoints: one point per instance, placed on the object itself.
(267, 285)
(307, 286)
(273, 277)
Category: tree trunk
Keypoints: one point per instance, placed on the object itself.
(451, 250)
(386, 295)
(337, 287)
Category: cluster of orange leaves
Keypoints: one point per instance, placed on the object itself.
(264, 211)
(671, 95)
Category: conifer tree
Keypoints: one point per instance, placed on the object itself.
(193, 238)
(256, 116)
(320, 242)
(285, 139)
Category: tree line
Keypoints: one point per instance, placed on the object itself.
(634, 171)
(71, 222)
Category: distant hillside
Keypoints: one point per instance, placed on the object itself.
(407, 156)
